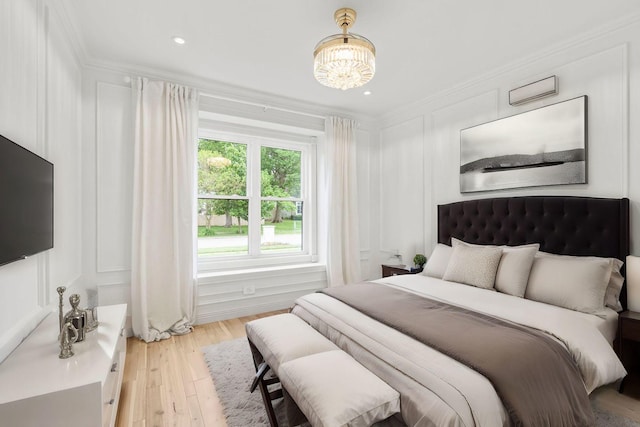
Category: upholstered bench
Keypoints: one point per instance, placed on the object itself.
(329, 386)
(275, 340)
(285, 337)
(332, 389)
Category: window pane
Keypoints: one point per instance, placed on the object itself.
(222, 227)
(283, 234)
(222, 168)
(280, 172)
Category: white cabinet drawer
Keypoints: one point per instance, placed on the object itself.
(113, 383)
(37, 386)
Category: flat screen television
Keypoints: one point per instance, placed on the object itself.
(26, 202)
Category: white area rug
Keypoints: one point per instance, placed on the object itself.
(232, 371)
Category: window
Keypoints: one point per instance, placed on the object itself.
(253, 201)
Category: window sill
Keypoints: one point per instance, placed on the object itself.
(243, 263)
(271, 271)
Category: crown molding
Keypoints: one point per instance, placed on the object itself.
(580, 40)
(69, 28)
(242, 95)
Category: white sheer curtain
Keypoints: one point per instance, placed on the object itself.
(163, 236)
(343, 244)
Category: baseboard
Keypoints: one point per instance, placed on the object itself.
(236, 312)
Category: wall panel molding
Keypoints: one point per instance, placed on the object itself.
(402, 183)
(114, 177)
(36, 70)
(603, 72)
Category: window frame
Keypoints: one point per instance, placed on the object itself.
(308, 196)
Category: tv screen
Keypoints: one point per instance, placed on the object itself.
(26, 202)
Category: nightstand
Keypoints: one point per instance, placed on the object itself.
(629, 340)
(395, 270)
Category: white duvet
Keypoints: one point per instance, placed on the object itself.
(436, 389)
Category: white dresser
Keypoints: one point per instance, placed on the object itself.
(39, 389)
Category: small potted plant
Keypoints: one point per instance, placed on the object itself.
(419, 260)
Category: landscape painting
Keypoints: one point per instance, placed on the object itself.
(546, 146)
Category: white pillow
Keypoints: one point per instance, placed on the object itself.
(332, 389)
(437, 263)
(614, 283)
(576, 283)
(513, 271)
(612, 295)
(474, 265)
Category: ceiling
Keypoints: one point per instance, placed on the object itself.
(422, 46)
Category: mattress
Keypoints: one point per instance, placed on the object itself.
(437, 390)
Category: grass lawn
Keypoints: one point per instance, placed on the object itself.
(287, 226)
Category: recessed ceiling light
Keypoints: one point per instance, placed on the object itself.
(366, 92)
(179, 40)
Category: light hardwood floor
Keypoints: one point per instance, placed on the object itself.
(167, 383)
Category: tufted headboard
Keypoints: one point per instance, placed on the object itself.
(563, 225)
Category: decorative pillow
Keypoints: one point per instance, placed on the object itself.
(615, 282)
(514, 268)
(332, 389)
(475, 266)
(437, 263)
(576, 283)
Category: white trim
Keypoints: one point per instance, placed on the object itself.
(626, 146)
(308, 197)
(229, 119)
(234, 93)
(253, 191)
(232, 263)
(301, 287)
(276, 132)
(248, 138)
(237, 312)
(264, 106)
(212, 277)
(221, 293)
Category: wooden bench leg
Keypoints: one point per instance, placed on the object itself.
(261, 369)
(261, 372)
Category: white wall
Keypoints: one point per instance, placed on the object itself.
(107, 178)
(407, 160)
(40, 110)
(419, 144)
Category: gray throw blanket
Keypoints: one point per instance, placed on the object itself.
(534, 376)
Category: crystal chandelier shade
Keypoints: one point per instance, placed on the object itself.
(344, 61)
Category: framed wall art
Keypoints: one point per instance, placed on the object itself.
(546, 146)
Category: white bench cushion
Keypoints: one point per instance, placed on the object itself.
(332, 390)
(285, 337)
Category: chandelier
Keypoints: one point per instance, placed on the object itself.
(344, 61)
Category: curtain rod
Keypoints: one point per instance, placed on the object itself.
(264, 107)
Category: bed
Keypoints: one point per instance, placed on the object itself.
(439, 390)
